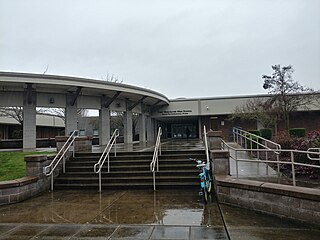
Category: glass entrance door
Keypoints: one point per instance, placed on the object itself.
(184, 131)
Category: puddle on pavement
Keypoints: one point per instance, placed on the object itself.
(164, 207)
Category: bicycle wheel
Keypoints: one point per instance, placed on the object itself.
(208, 182)
(205, 195)
(209, 185)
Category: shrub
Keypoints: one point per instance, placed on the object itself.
(255, 132)
(297, 132)
(312, 140)
(284, 139)
(266, 133)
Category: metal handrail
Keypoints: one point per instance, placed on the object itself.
(48, 170)
(105, 154)
(311, 158)
(155, 159)
(206, 146)
(277, 152)
(244, 136)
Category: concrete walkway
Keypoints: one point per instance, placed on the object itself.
(165, 214)
(248, 169)
(142, 214)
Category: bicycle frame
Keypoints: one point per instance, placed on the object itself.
(205, 178)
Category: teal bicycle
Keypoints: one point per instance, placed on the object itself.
(205, 178)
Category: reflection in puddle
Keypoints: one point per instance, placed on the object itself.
(182, 217)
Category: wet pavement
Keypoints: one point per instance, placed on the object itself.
(144, 214)
(140, 214)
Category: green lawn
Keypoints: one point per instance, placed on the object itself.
(12, 164)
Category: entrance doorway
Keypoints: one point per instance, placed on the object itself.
(184, 131)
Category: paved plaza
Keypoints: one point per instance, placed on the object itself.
(145, 214)
(140, 214)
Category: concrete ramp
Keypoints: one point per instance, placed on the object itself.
(248, 169)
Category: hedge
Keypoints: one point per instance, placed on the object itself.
(297, 132)
(266, 133)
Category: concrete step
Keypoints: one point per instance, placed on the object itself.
(129, 168)
(132, 170)
(134, 164)
(150, 153)
(184, 172)
(127, 179)
(138, 157)
(145, 185)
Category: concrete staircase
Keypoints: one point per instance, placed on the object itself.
(131, 170)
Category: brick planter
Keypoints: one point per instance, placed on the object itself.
(33, 184)
(282, 200)
(81, 144)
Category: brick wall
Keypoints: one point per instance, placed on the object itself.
(33, 184)
(285, 201)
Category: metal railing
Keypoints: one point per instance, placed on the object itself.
(61, 155)
(273, 157)
(206, 146)
(242, 137)
(155, 159)
(97, 168)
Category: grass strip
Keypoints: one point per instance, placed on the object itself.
(13, 166)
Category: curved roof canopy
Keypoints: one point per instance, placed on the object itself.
(43, 83)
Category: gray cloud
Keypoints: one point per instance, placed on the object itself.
(179, 48)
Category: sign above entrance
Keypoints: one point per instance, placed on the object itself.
(175, 112)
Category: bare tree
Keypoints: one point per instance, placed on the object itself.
(17, 113)
(287, 95)
(13, 112)
(117, 121)
(60, 112)
(111, 78)
(258, 109)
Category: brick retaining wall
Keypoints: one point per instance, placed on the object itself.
(285, 201)
(33, 184)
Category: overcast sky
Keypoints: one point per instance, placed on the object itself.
(186, 48)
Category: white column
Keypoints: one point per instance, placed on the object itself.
(127, 122)
(142, 127)
(29, 122)
(104, 125)
(71, 116)
(150, 130)
(199, 127)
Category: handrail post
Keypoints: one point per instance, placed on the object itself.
(52, 182)
(108, 164)
(245, 142)
(293, 171)
(106, 154)
(237, 167)
(74, 146)
(258, 152)
(266, 156)
(155, 160)
(100, 181)
(278, 164)
(61, 155)
(64, 164)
